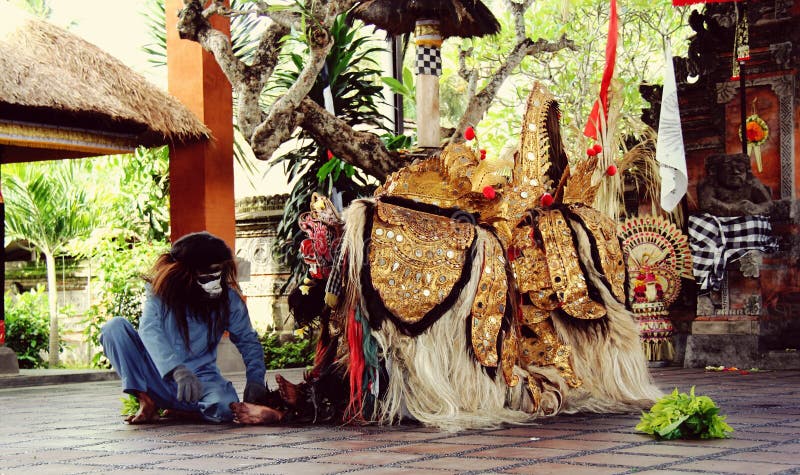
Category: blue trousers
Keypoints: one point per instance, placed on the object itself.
(124, 348)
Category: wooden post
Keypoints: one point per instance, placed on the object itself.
(201, 174)
(429, 68)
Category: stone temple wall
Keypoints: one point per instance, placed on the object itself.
(260, 274)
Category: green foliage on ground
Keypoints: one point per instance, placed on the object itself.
(294, 353)
(27, 326)
(684, 416)
(130, 406)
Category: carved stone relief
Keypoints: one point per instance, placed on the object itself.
(782, 54)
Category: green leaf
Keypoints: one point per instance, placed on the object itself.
(327, 168)
(396, 86)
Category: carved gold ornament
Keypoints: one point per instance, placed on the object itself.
(566, 275)
(416, 258)
(541, 347)
(489, 305)
(603, 230)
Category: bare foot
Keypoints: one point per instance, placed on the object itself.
(289, 392)
(248, 413)
(147, 413)
(183, 415)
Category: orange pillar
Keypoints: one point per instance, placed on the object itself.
(201, 174)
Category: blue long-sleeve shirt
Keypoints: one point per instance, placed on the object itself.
(162, 338)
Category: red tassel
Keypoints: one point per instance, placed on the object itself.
(469, 133)
(319, 354)
(355, 338)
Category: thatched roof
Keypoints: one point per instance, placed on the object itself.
(66, 97)
(462, 18)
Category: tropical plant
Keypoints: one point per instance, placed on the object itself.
(135, 229)
(27, 327)
(121, 287)
(47, 206)
(406, 89)
(132, 193)
(39, 8)
(352, 75)
(293, 353)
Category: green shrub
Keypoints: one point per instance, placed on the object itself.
(121, 288)
(28, 326)
(297, 353)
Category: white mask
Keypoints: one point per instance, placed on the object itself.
(212, 287)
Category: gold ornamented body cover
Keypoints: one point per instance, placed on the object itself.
(415, 258)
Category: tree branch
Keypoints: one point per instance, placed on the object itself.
(518, 12)
(479, 103)
(362, 149)
(193, 25)
(285, 18)
(265, 135)
(279, 124)
(249, 90)
(467, 74)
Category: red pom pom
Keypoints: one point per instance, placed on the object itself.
(469, 133)
(483, 154)
(489, 192)
(547, 199)
(590, 151)
(611, 170)
(330, 155)
(597, 148)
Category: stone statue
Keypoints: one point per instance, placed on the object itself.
(730, 189)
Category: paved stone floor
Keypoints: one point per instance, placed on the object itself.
(75, 428)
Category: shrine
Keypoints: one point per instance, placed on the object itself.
(744, 311)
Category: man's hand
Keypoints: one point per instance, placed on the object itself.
(256, 393)
(189, 387)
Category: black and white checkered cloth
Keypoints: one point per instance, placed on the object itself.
(429, 60)
(716, 241)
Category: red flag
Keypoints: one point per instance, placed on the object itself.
(611, 57)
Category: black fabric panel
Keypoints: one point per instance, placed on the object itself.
(593, 293)
(432, 209)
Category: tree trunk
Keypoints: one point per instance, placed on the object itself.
(52, 296)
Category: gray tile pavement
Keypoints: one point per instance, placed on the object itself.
(76, 428)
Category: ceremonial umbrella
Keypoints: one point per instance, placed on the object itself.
(432, 21)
